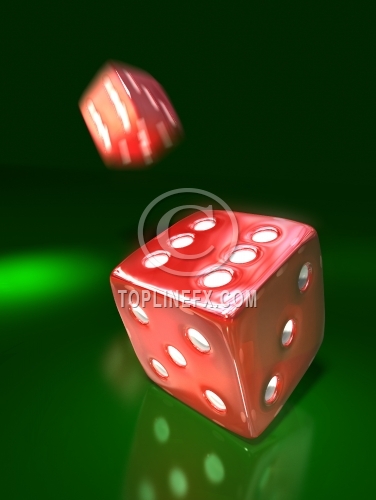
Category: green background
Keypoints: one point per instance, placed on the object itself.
(277, 102)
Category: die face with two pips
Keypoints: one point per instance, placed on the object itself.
(129, 116)
(227, 326)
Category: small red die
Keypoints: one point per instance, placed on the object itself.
(129, 116)
(229, 329)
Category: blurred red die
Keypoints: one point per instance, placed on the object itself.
(129, 116)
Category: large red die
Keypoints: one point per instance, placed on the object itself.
(129, 116)
(228, 327)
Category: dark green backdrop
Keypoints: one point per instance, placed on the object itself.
(277, 102)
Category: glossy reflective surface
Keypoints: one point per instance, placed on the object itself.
(75, 402)
(205, 264)
(129, 116)
(178, 453)
(247, 374)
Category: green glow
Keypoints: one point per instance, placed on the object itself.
(146, 491)
(26, 279)
(161, 430)
(214, 468)
(178, 483)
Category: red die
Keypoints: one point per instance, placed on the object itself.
(129, 116)
(229, 329)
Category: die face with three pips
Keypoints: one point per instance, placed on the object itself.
(129, 116)
(228, 327)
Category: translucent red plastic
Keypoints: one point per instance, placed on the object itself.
(254, 355)
(129, 116)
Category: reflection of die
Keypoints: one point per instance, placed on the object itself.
(129, 116)
(252, 321)
(177, 453)
(122, 369)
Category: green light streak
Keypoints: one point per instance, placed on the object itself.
(34, 278)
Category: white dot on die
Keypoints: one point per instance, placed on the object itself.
(215, 401)
(156, 259)
(271, 392)
(305, 277)
(217, 278)
(243, 255)
(176, 356)
(288, 333)
(159, 368)
(198, 340)
(181, 241)
(265, 235)
(140, 314)
(204, 225)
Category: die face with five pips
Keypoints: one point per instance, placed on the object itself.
(129, 116)
(227, 318)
